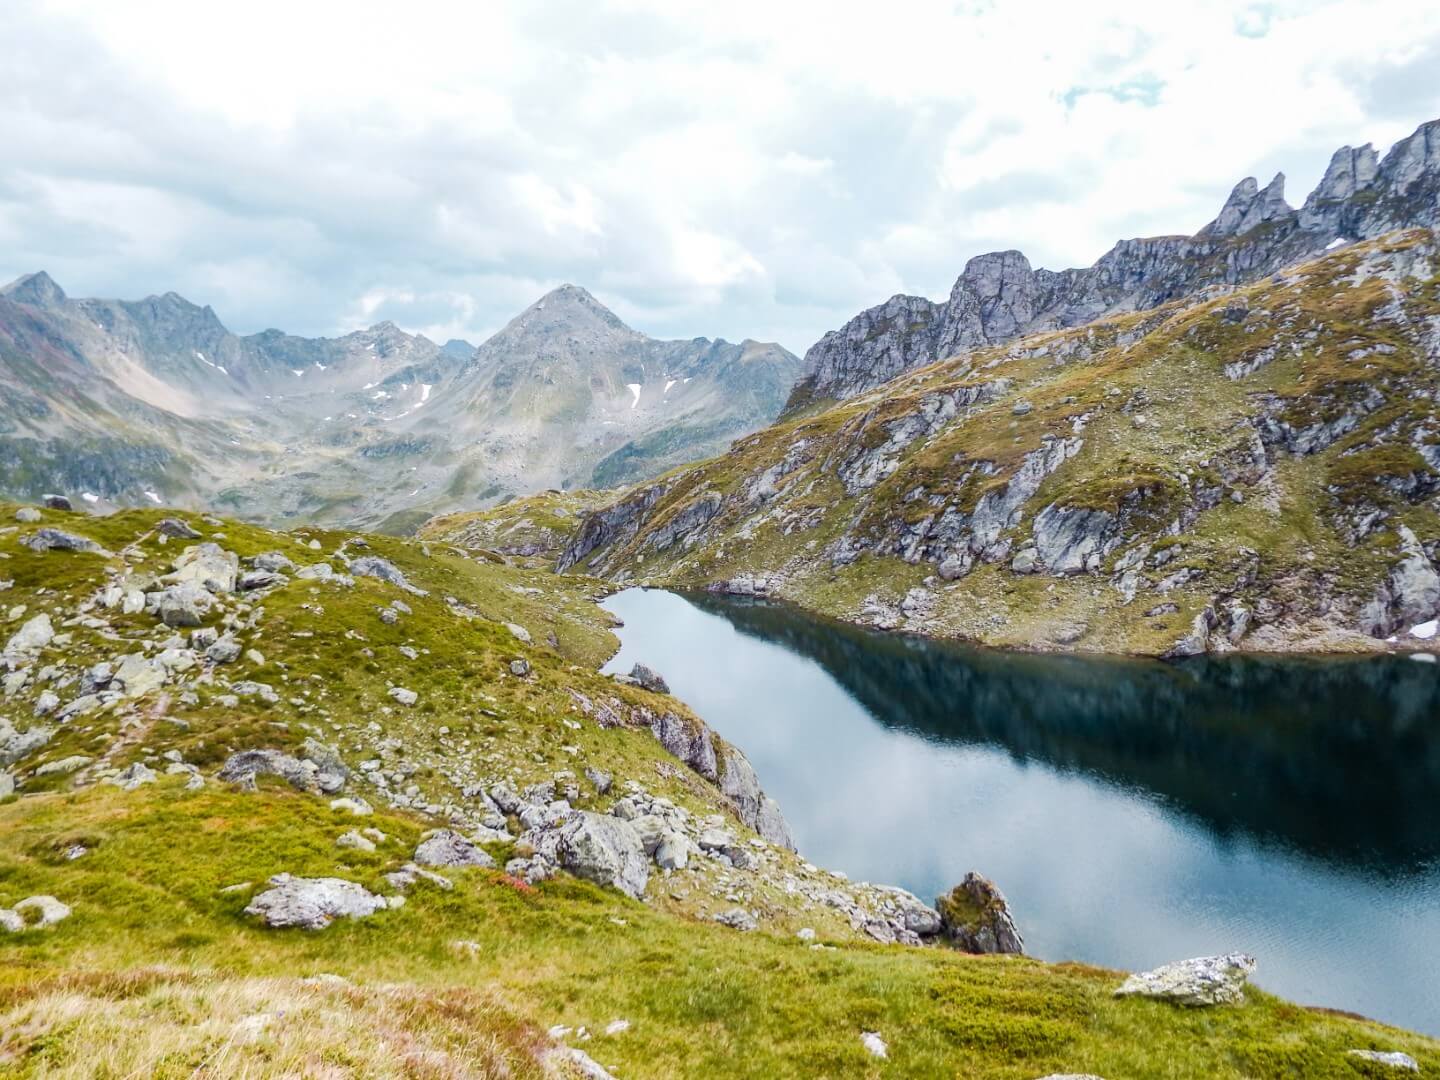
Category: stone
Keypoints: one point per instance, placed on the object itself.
(260, 579)
(403, 696)
(1205, 980)
(27, 515)
(225, 650)
(521, 634)
(384, 570)
(650, 679)
(976, 917)
(243, 767)
(569, 1059)
(313, 903)
(273, 561)
(673, 851)
(7, 785)
(64, 765)
(207, 565)
(1393, 1058)
(600, 778)
(176, 529)
(355, 840)
(737, 919)
(31, 638)
(350, 805)
(874, 1044)
(183, 604)
(449, 848)
(599, 848)
(56, 502)
(520, 668)
(48, 911)
(133, 777)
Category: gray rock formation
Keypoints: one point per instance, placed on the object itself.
(1205, 980)
(1394, 1059)
(999, 296)
(313, 903)
(976, 917)
(598, 848)
(448, 848)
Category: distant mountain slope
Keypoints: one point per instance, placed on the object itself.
(1255, 470)
(1000, 297)
(156, 401)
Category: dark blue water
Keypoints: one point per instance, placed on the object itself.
(1133, 812)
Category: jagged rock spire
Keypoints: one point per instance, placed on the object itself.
(1249, 206)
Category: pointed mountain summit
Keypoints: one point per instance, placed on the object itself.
(38, 289)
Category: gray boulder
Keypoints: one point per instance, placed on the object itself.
(756, 809)
(274, 561)
(243, 767)
(59, 540)
(208, 565)
(56, 502)
(1205, 980)
(31, 638)
(737, 919)
(183, 604)
(133, 777)
(176, 529)
(260, 579)
(598, 848)
(688, 740)
(1393, 1058)
(384, 570)
(650, 679)
(47, 912)
(226, 650)
(976, 917)
(313, 903)
(448, 848)
(27, 515)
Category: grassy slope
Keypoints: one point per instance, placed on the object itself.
(1159, 419)
(159, 972)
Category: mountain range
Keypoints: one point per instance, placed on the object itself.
(155, 401)
(1000, 297)
(1229, 441)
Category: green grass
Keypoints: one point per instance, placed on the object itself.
(701, 999)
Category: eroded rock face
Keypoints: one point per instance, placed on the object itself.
(976, 917)
(1205, 980)
(313, 903)
(762, 813)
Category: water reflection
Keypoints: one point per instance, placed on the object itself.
(1339, 758)
(1133, 812)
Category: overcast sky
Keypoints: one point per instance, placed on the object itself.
(751, 168)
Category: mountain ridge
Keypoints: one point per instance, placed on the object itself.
(999, 296)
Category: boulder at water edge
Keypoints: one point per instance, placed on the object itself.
(1205, 980)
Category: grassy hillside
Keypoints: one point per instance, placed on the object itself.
(159, 971)
(1254, 469)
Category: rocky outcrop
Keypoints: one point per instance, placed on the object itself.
(975, 917)
(598, 848)
(999, 297)
(610, 526)
(1205, 980)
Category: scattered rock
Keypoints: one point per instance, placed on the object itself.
(354, 839)
(184, 604)
(403, 696)
(313, 903)
(1205, 980)
(48, 911)
(521, 634)
(133, 777)
(520, 668)
(59, 540)
(27, 515)
(448, 848)
(176, 529)
(56, 502)
(31, 638)
(358, 807)
(243, 767)
(600, 778)
(598, 848)
(587, 1066)
(207, 565)
(873, 1043)
(1393, 1058)
(384, 570)
(225, 650)
(737, 919)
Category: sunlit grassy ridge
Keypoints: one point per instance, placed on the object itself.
(160, 972)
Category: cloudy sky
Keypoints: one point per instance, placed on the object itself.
(747, 169)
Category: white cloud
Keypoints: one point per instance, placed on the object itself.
(748, 169)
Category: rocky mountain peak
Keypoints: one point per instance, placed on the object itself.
(1250, 206)
(999, 296)
(38, 289)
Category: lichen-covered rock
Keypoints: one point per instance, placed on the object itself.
(740, 784)
(448, 848)
(59, 540)
(976, 917)
(1395, 1059)
(183, 604)
(31, 638)
(176, 529)
(649, 679)
(1204, 980)
(313, 903)
(207, 565)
